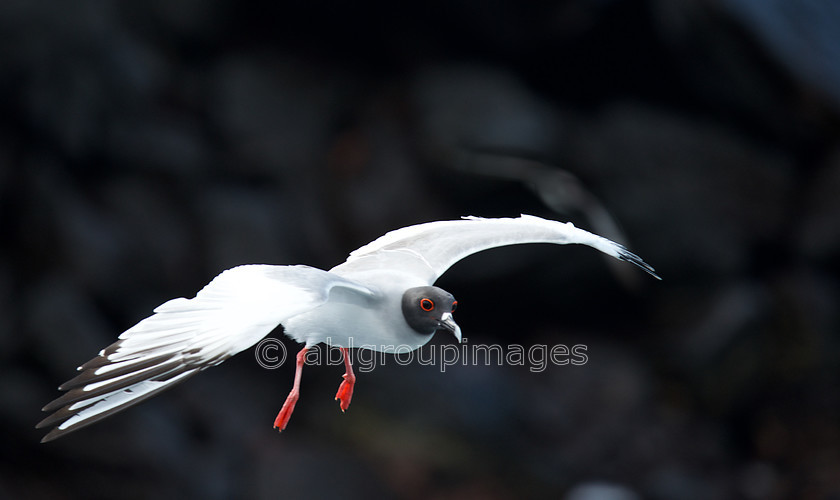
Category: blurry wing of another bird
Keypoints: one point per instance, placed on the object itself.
(559, 189)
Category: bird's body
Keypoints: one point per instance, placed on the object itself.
(380, 298)
(339, 320)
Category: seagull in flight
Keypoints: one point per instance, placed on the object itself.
(382, 298)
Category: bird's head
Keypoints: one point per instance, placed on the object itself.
(428, 308)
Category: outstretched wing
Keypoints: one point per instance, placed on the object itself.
(184, 336)
(428, 250)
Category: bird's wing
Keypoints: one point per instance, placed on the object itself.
(428, 250)
(184, 336)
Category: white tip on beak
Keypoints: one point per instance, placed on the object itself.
(448, 322)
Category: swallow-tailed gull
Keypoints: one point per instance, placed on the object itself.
(382, 298)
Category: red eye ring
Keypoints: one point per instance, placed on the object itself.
(454, 305)
(427, 304)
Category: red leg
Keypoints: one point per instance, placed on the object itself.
(345, 390)
(289, 406)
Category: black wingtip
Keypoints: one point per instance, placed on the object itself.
(628, 256)
(52, 435)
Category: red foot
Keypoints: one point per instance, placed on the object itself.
(289, 406)
(286, 412)
(345, 390)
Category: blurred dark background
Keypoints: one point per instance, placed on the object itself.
(147, 146)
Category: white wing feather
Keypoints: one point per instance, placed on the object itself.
(428, 250)
(184, 336)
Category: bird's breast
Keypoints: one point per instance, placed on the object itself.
(380, 327)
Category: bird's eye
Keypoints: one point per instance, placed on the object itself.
(427, 305)
(454, 306)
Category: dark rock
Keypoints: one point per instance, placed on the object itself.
(818, 233)
(481, 108)
(66, 327)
